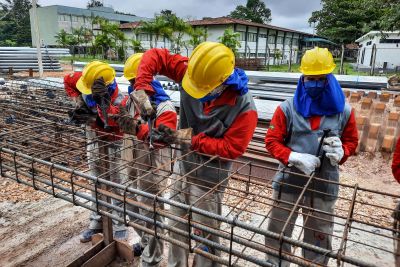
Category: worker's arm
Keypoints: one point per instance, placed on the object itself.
(396, 162)
(349, 138)
(275, 137)
(159, 61)
(167, 118)
(70, 90)
(235, 140)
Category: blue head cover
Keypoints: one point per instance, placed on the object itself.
(318, 100)
(159, 96)
(237, 81)
(89, 101)
(111, 87)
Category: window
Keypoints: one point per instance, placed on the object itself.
(74, 18)
(251, 37)
(144, 37)
(271, 39)
(279, 40)
(242, 36)
(288, 40)
(389, 41)
(262, 35)
(295, 42)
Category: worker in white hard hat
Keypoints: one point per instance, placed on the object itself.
(311, 133)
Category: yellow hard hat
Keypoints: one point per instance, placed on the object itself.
(93, 71)
(210, 64)
(317, 61)
(132, 65)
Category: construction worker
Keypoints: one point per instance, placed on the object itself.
(294, 136)
(143, 160)
(98, 90)
(217, 116)
(396, 212)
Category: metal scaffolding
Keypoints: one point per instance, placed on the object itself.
(42, 149)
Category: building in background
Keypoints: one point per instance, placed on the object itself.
(52, 19)
(263, 41)
(383, 48)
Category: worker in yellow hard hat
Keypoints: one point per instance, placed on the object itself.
(99, 90)
(311, 133)
(139, 158)
(217, 116)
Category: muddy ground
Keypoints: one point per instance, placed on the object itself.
(39, 230)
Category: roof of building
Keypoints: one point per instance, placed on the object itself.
(103, 12)
(222, 21)
(372, 34)
(228, 20)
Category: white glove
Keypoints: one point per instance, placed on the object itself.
(334, 150)
(307, 163)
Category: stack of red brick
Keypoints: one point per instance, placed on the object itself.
(377, 117)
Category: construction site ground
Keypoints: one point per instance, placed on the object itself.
(39, 230)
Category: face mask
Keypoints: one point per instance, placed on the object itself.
(213, 94)
(315, 88)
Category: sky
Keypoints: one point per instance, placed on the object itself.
(292, 14)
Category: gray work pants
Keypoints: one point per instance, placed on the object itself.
(318, 228)
(104, 159)
(148, 170)
(189, 193)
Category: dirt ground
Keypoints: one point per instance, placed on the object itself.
(39, 230)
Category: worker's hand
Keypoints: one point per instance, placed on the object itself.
(333, 149)
(306, 163)
(100, 92)
(168, 136)
(141, 99)
(81, 115)
(79, 102)
(126, 123)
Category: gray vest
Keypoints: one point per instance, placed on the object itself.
(302, 139)
(213, 124)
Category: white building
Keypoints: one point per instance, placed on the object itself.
(52, 19)
(257, 40)
(386, 46)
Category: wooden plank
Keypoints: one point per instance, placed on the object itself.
(87, 255)
(104, 257)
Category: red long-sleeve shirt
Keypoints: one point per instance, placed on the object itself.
(396, 162)
(277, 132)
(235, 140)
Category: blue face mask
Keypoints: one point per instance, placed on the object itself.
(315, 88)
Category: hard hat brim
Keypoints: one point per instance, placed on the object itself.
(192, 89)
(129, 77)
(320, 72)
(81, 86)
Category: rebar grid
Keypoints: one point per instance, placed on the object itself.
(40, 148)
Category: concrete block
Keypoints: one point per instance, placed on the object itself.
(388, 143)
(393, 117)
(390, 131)
(366, 103)
(397, 101)
(374, 129)
(372, 94)
(361, 120)
(379, 108)
(384, 97)
(355, 97)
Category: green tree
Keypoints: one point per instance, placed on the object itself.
(94, 3)
(255, 11)
(63, 38)
(137, 46)
(198, 35)
(15, 22)
(110, 38)
(230, 39)
(343, 21)
(388, 11)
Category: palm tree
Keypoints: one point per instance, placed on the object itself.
(198, 35)
(62, 38)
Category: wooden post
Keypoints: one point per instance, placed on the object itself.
(341, 71)
(30, 72)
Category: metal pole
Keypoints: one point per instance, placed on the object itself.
(37, 38)
(342, 61)
(373, 60)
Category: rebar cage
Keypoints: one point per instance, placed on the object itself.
(42, 149)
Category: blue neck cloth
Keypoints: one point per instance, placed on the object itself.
(330, 102)
(159, 96)
(237, 81)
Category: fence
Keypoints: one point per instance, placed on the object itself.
(41, 149)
